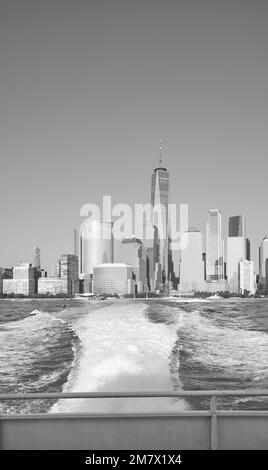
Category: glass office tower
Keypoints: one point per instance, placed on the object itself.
(237, 226)
(160, 200)
(263, 265)
(215, 249)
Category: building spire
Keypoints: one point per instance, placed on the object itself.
(160, 152)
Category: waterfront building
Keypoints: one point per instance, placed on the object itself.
(132, 252)
(247, 279)
(263, 265)
(7, 273)
(37, 266)
(64, 279)
(94, 245)
(236, 252)
(37, 258)
(215, 247)
(216, 286)
(69, 267)
(160, 201)
(238, 249)
(53, 286)
(113, 278)
(23, 281)
(191, 262)
(56, 268)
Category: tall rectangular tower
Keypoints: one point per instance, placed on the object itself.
(263, 265)
(160, 201)
(237, 250)
(215, 249)
(237, 226)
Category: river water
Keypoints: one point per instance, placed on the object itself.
(124, 345)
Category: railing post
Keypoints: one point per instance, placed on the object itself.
(213, 424)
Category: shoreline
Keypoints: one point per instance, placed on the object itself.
(143, 299)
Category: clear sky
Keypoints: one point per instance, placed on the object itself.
(87, 88)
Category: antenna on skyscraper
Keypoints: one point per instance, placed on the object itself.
(160, 151)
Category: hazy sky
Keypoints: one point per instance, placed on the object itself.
(87, 88)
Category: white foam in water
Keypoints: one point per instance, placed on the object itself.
(121, 350)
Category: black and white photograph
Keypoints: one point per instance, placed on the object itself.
(134, 229)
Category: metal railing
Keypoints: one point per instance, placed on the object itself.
(213, 412)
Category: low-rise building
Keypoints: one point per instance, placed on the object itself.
(113, 278)
(64, 279)
(54, 286)
(23, 281)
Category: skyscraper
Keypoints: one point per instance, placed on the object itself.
(247, 282)
(263, 265)
(191, 263)
(96, 245)
(237, 251)
(215, 247)
(69, 267)
(132, 252)
(237, 226)
(37, 258)
(159, 201)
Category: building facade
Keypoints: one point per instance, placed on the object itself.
(53, 286)
(113, 278)
(94, 245)
(263, 265)
(5, 273)
(64, 279)
(132, 252)
(247, 279)
(23, 282)
(37, 258)
(214, 246)
(160, 201)
(238, 250)
(237, 226)
(191, 262)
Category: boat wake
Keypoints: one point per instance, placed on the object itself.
(121, 350)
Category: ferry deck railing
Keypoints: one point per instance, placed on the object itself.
(200, 429)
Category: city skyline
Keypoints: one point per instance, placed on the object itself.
(116, 242)
(85, 96)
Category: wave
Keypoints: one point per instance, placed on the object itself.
(217, 353)
(36, 353)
